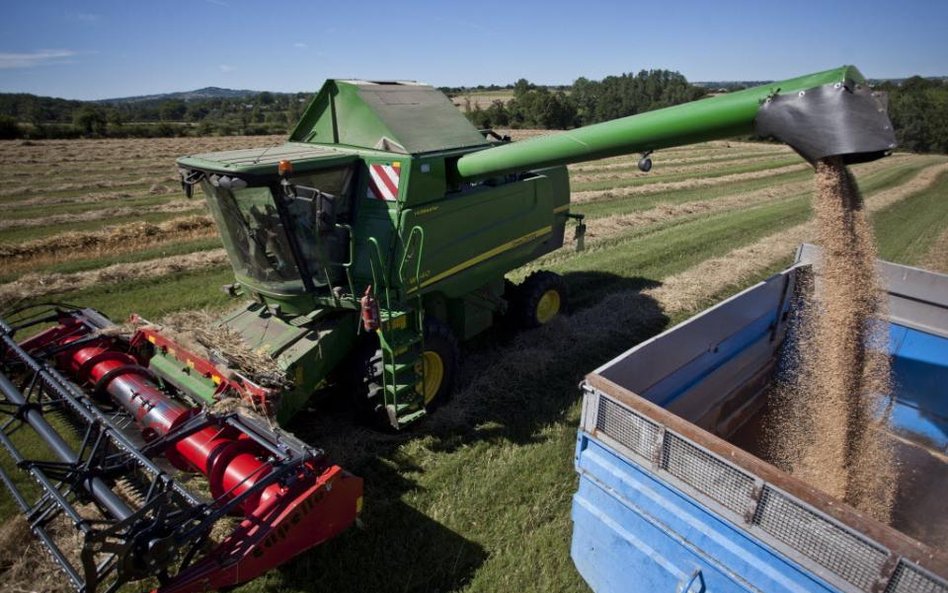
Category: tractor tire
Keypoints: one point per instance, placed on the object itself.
(442, 360)
(364, 384)
(538, 300)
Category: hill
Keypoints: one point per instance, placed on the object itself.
(210, 92)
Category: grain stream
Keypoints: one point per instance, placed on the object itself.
(824, 427)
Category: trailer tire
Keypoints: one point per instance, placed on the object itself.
(443, 356)
(539, 299)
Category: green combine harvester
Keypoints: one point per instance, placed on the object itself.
(386, 200)
(364, 249)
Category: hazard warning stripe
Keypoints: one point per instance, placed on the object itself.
(383, 182)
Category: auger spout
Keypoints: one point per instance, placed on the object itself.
(830, 113)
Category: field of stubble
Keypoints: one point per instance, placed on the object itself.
(477, 497)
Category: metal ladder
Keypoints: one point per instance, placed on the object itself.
(401, 338)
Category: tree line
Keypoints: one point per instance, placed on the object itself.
(30, 116)
(585, 101)
(918, 108)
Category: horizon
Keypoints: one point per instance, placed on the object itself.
(110, 50)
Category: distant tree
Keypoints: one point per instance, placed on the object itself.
(197, 112)
(265, 98)
(89, 120)
(9, 129)
(497, 114)
(919, 112)
(522, 86)
(116, 122)
(172, 110)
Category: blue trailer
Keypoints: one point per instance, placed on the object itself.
(668, 501)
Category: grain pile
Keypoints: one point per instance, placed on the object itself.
(826, 424)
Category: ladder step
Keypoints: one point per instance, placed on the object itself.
(400, 368)
(403, 388)
(409, 418)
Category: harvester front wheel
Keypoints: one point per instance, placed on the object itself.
(440, 360)
(540, 298)
(363, 381)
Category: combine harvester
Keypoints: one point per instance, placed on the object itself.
(364, 249)
(673, 496)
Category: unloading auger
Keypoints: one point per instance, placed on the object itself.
(115, 483)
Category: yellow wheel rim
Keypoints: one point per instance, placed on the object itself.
(434, 374)
(548, 306)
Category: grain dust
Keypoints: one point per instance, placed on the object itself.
(827, 425)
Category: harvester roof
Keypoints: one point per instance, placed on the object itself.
(263, 161)
(401, 117)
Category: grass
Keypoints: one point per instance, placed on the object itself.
(14, 235)
(477, 497)
(92, 263)
(702, 174)
(905, 230)
(38, 211)
(155, 297)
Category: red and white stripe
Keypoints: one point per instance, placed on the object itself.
(383, 182)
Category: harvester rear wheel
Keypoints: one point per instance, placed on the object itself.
(539, 299)
(441, 359)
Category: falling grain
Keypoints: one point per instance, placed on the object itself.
(826, 429)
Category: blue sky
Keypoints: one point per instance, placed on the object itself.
(101, 49)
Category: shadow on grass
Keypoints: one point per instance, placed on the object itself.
(398, 549)
(512, 385)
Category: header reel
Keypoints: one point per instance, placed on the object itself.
(108, 446)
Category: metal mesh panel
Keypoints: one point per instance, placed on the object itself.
(627, 427)
(806, 533)
(852, 558)
(908, 579)
(709, 475)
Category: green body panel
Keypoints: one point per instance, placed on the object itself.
(400, 117)
(179, 374)
(307, 348)
(723, 116)
(464, 213)
(483, 233)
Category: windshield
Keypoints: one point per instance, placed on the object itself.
(253, 234)
(258, 244)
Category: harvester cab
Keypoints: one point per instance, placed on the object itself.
(363, 250)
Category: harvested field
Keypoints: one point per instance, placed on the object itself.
(483, 487)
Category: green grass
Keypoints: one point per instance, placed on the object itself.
(628, 204)
(905, 230)
(15, 235)
(69, 193)
(606, 184)
(80, 265)
(38, 211)
(631, 166)
(153, 297)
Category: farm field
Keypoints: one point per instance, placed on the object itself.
(482, 99)
(477, 497)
